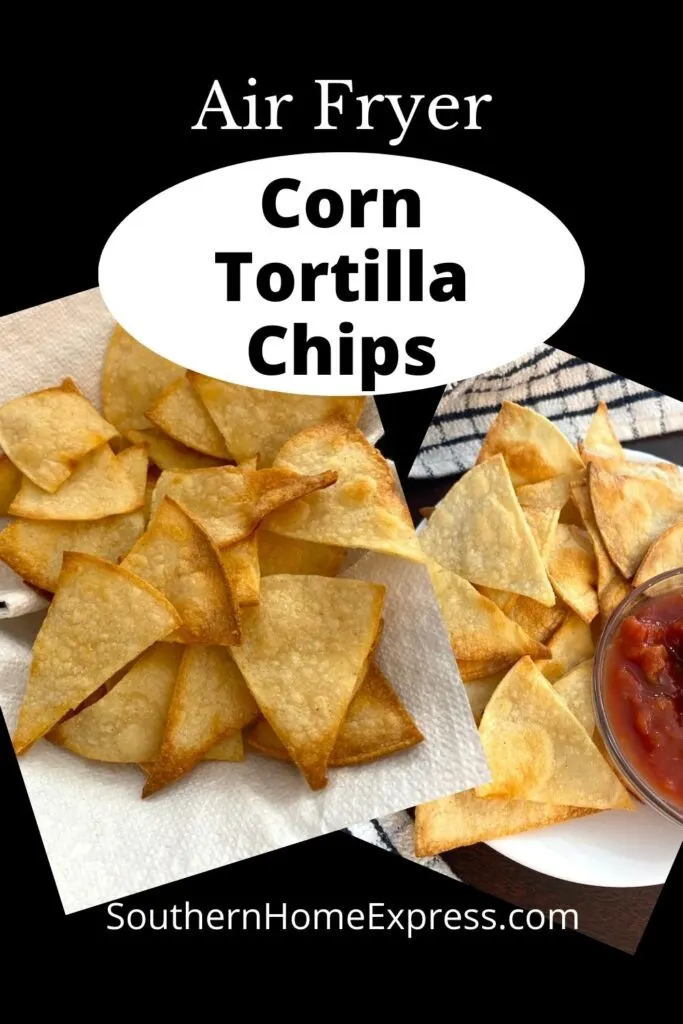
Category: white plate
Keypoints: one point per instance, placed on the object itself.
(613, 848)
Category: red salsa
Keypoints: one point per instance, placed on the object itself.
(644, 692)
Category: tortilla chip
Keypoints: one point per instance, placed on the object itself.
(34, 548)
(284, 555)
(242, 570)
(465, 819)
(573, 571)
(210, 700)
(537, 749)
(255, 422)
(480, 691)
(182, 415)
(631, 512)
(553, 493)
(99, 486)
(534, 449)
(229, 502)
(47, 433)
(127, 724)
(570, 645)
(169, 454)
(304, 654)
(10, 481)
(576, 690)
(601, 441)
(133, 378)
(612, 587)
(230, 748)
(480, 532)
(477, 628)
(376, 725)
(476, 671)
(362, 510)
(135, 461)
(100, 618)
(176, 557)
(664, 554)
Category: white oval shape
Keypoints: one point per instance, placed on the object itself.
(523, 273)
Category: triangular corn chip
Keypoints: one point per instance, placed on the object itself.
(631, 512)
(576, 690)
(230, 748)
(533, 447)
(376, 724)
(573, 571)
(612, 587)
(133, 377)
(571, 644)
(537, 749)
(664, 554)
(99, 486)
(181, 414)
(465, 819)
(304, 654)
(229, 502)
(601, 441)
(177, 558)
(135, 461)
(480, 691)
(242, 570)
(475, 671)
(210, 699)
(34, 548)
(480, 532)
(478, 629)
(169, 454)
(278, 554)
(83, 642)
(10, 481)
(255, 422)
(553, 493)
(362, 510)
(127, 724)
(47, 433)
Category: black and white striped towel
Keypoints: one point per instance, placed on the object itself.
(562, 387)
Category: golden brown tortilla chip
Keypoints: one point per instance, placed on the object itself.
(34, 548)
(135, 461)
(127, 724)
(573, 571)
(242, 570)
(465, 819)
(256, 422)
(82, 642)
(479, 531)
(480, 691)
(10, 481)
(553, 493)
(362, 510)
(631, 512)
(99, 486)
(169, 454)
(284, 555)
(181, 414)
(376, 725)
(576, 690)
(478, 629)
(229, 502)
(536, 749)
(475, 671)
(612, 587)
(210, 700)
(230, 748)
(601, 441)
(133, 377)
(533, 447)
(304, 653)
(177, 558)
(571, 644)
(47, 433)
(665, 553)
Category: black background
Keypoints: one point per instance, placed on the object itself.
(84, 146)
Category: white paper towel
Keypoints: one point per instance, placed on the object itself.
(103, 842)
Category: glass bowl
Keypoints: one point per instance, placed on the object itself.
(631, 776)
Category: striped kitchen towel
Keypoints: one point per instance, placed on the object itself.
(562, 387)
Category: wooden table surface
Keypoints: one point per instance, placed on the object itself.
(615, 916)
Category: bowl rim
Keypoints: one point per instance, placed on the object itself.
(633, 779)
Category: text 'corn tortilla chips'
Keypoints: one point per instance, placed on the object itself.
(304, 654)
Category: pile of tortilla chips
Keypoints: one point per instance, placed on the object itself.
(189, 540)
(530, 553)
